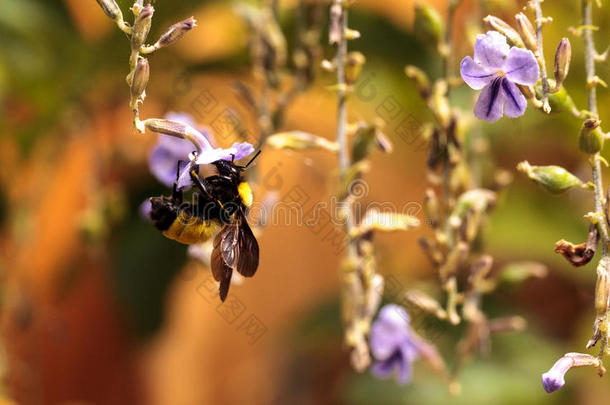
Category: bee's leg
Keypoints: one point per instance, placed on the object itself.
(200, 183)
(177, 195)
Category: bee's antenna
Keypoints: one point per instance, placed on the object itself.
(251, 160)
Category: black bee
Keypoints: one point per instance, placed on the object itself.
(219, 209)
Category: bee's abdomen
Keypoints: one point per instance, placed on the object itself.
(190, 229)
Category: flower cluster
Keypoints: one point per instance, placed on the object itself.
(508, 78)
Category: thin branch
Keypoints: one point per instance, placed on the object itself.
(540, 55)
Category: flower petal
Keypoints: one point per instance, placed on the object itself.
(514, 102)
(383, 368)
(405, 371)
(521, 67)
(145, 208)
(554, 379)
(242, 149)
(238, 151)
(162, 162)
(490, 50)
(178, 147)
(401, 368)
(475, 75)
(490, 102)
(184, 179)
(552, 383)
(389, 331)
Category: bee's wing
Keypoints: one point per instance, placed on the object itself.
(225, 283)
(220, 269)
(235, 247)
(247, 248)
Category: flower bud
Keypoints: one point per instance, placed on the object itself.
(111, 9)
(383, 142)
(299, 140)
(140, 79)
(507, 324)
(432, 208)
(440, 102)
(455, 259)
(328, 66)
(426, 303)
(419, 77)
(374, 295)
(527, 91)
(554, 379)
(517, 272)
(351, 34)
(591, 138)
(428, 25)
(335, 32)
(353, 66)
(479, 271)
(602, 287)
(527, 32)
(563, 54)
(503, 28)
(175, 32)
(141, 27)
(554, 179)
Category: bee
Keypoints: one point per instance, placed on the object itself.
(219, 210)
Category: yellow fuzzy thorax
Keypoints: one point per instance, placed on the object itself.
(245, 192)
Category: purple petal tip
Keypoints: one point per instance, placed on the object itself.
(551, 383)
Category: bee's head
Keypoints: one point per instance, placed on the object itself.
(230, 169)
(226, 168)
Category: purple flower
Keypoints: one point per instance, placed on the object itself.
(497, 69)
(553, 379)
(392, 344)
(163, 159)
